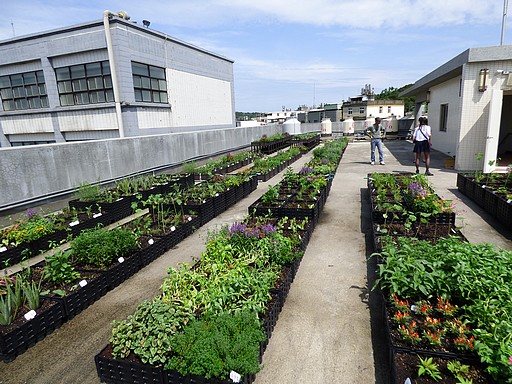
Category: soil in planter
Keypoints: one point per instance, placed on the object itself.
(20, 320)
(37, 273)
(406, 365)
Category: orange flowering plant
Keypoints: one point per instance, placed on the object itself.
(31, 228)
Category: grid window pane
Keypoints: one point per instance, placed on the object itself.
(34, 102)
(29, 78)
(17, 88)
(42, 89)
(140, 69)
(77, 71)
(149, 83)
(156, 72)
(93, 69)
(18, 92)
(146, 95)
(107, 82)
(64, 86)
(40, 77)
(146, 82)
(6, 93)
(66, 100)
(5, 81)
(62, 74)
(16, 80)
(138, 95)
(79, 85)
(109, 94)
(83, 78)
(82, 98)
(8, 105)
(44, 102)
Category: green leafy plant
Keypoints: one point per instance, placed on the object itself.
(429, 368)
(59, 269)
(32, 292)
(459, 370)
(100, 247)
(213, 346)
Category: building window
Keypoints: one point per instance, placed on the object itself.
(380, 109)
(443, 119)
(23, 91)
(149, 83)
(389, 109)
(85, 84)
(349, 112)
(361, 110)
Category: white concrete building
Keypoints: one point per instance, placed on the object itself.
(362, 108)
(110, 78)
(470, 107)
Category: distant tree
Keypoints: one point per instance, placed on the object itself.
(393, 93)
(241, 116)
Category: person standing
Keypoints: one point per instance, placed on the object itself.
(421, 139)
(376, 133)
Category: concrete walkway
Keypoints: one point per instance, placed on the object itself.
(330, 329)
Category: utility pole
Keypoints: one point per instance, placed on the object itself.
(504, 21)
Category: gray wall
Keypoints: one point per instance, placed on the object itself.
(35, 173)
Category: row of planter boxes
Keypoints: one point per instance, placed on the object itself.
(268, 147)
(404, 358)
(92, 286)
(483, 194)
(117, 371)
(98, 283)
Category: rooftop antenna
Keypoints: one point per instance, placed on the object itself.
(13, 33)
(504, 21)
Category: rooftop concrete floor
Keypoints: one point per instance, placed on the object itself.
(330, 329)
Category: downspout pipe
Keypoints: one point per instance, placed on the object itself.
(113, 71)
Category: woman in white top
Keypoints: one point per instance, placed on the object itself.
(421, 138)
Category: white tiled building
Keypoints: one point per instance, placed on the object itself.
(470, 106)
(110, 78)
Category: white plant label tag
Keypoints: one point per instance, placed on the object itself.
(97, 215)
(73, 223)
(407, 381)
(234, 376)
(189, 218)
(82, 283)
(121, 259)
(151, 241)
(173, 228)
(30, 315)
(509, 201)
(3, 249)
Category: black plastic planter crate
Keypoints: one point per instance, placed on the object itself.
(219, 204)
(114, 371)
(173, 377)
(152, 251)
(230, 197)
(173, 237)
(76, 301)
(121, 271)
(204, 210)
(30, 332)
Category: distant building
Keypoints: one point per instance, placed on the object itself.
(108, 79)
(278, 117)
(362, 108)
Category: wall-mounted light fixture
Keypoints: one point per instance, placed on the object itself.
(146, 23)
(483, 79)
(428, 97)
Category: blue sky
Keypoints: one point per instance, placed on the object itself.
(296, 52)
